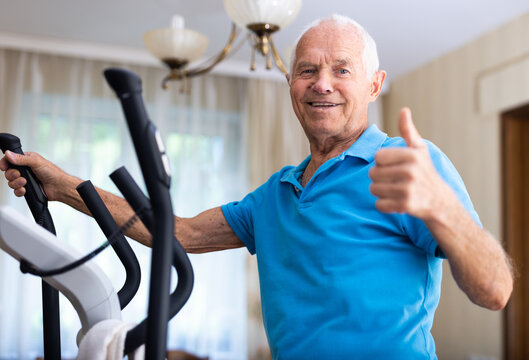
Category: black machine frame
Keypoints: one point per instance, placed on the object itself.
(154, 210)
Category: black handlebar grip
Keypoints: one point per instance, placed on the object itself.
(134, 196)
(145, 137)
(35, 197)
(121, 247)
(38, 204)
(124, 82)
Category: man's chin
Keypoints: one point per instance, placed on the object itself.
(323, 131)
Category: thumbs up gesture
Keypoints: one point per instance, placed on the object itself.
(404, 178)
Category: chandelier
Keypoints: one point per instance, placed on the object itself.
(177, 47)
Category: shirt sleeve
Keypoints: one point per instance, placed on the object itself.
(239, 215)
(416, 228)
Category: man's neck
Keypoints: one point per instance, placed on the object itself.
(320, 152)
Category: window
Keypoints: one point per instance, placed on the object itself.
(88, 138)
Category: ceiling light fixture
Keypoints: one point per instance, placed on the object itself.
(176, 46)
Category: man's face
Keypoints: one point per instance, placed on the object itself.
(329, 88)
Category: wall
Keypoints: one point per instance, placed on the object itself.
(456, 101)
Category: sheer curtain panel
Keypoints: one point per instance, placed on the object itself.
(62, 108)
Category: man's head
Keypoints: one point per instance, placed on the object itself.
(369, 55)
(333, 79)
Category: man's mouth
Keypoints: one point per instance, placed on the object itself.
(321, 104)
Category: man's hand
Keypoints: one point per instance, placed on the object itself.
(50, 175)
(405, 179)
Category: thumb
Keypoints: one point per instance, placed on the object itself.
(18, 159)
(407, 129)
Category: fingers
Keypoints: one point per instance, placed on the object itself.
(391, 174)
(21, 191)
(404, 179)
(15, 181)
(390, 206)
(50, 175)
(12, 174)
(393, 156)
(390, 184)
(4, 164)
(388, 190)
(408, 131)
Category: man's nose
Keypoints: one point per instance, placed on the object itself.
(323, 83)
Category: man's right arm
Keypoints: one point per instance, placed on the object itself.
(208, 231)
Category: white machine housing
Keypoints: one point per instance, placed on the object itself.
(86, 287)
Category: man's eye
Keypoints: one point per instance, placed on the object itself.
(307, 71)
(343, 71)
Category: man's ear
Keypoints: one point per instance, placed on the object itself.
(376, 84)
(288, 78)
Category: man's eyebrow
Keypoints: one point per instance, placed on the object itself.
(303, 64)
(346, 61)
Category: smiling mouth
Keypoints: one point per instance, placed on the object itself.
(321, 104)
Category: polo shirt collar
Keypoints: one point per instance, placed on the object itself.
(365, 147)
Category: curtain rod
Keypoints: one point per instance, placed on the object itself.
(123, 54)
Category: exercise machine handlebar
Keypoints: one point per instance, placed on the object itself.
(121, 247)
(154, 164)
(35, 197)
(141, 205)
(38, 205)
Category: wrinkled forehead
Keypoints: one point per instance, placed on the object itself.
(337, 39)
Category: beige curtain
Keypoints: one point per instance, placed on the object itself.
(275, 139)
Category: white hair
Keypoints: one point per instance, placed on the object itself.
(369, 55)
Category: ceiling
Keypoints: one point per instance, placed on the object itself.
(408, 33)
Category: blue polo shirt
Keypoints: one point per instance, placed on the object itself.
(339, 279)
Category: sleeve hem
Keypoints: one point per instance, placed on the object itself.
(226, 210)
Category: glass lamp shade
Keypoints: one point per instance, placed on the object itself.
(276, 12)
(174, 43)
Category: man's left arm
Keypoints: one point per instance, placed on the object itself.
(406, 181)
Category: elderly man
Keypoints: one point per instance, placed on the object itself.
(350, 242)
